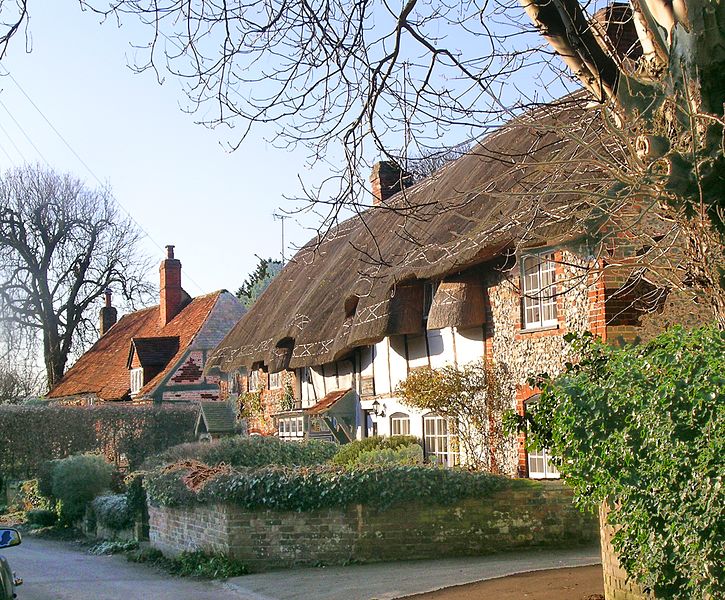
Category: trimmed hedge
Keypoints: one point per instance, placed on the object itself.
(304, 489)
(113, 512)
(33, 435)
(255, 451)
(349, 454)
(77, 480)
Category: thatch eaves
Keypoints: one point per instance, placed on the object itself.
(521, 186)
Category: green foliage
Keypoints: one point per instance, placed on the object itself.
(30, 496)
(258, 281)
(250, 405)
(113, 512)
(32, 435)
(304, 489)
(252, 451)
(113, 547)
(349, 454)
(40, 517)
(643, 429)
(135, 492)
(404, 455)
(77, 480)
(206, 566)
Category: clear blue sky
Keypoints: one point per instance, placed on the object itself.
(172, 176)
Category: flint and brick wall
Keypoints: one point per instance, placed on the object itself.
(530, 515)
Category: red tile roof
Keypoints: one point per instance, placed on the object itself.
(327, 402)
(103, 371)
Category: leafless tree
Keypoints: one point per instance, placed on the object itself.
(389, 79)
(61, 246)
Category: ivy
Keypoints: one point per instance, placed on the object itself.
(305, 489)
(642, 428)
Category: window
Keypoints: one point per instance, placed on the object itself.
(291, 427)
(275, 380)
(399, 424)
(441, 444)
(254, 380)
(539, 290)
(540, 465)
(136, 380)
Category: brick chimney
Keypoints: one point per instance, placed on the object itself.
(108, 315)
(172, 296)
(386, 180)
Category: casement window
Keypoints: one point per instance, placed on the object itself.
(275, 380)
(291, 427)
(540, 465)
(440, 441)
(136, 380)
(538, 276)
(253, 380)
(399, 424)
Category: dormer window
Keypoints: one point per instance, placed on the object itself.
(136, 380)
(539, 290)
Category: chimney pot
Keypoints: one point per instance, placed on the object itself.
(387, 179)
(170, 251)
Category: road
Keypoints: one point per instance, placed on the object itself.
(55, 570)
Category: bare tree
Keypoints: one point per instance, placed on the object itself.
(61, 246)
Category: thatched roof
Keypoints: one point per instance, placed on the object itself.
(361, 281)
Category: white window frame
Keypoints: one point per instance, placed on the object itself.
(538, 290)
(439, 440)
(291, 427)
(399, 424)
(136, 380)
(541, 466)
(275, 380)
(253, 380)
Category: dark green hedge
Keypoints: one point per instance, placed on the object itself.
(303, 489)
(254, 451)
(32, 435)
(349, 454)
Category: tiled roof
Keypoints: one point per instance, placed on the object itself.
(103, 370)
(327, 402)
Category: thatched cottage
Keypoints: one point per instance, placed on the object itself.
(494, 258)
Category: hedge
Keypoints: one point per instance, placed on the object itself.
(113, 512)
(76, 481)
(33, 435)
(304, 489)
(349, 454)
(254, 451)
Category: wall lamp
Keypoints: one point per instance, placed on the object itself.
(378, 411)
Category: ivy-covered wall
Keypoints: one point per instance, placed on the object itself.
(538, 515)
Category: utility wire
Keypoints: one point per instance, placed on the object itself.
(85, 165)
(12, 142)
(27, 137)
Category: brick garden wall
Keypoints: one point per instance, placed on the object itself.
(537, 514)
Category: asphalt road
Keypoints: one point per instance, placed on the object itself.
(58, 571)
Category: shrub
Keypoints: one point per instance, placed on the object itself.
(40, 517)
(348, 454)
(113, 512)
(32, 435)
(404, 455)
(135, 492)
(30, 497)
(643, 429)
(254, 451)
(304, 489)
(206, 566)
(77, 480)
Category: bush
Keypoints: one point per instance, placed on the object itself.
(404, 455)
(77, 480)
(642, 428)
(135, 492)
(206, 566)
(41, 518)
(32, 435)
(348, 454)
(113, 512)
(304, 489)
(254, 451)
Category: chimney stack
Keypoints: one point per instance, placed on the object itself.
(107, 317)
(171, 296)
(387, 179)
